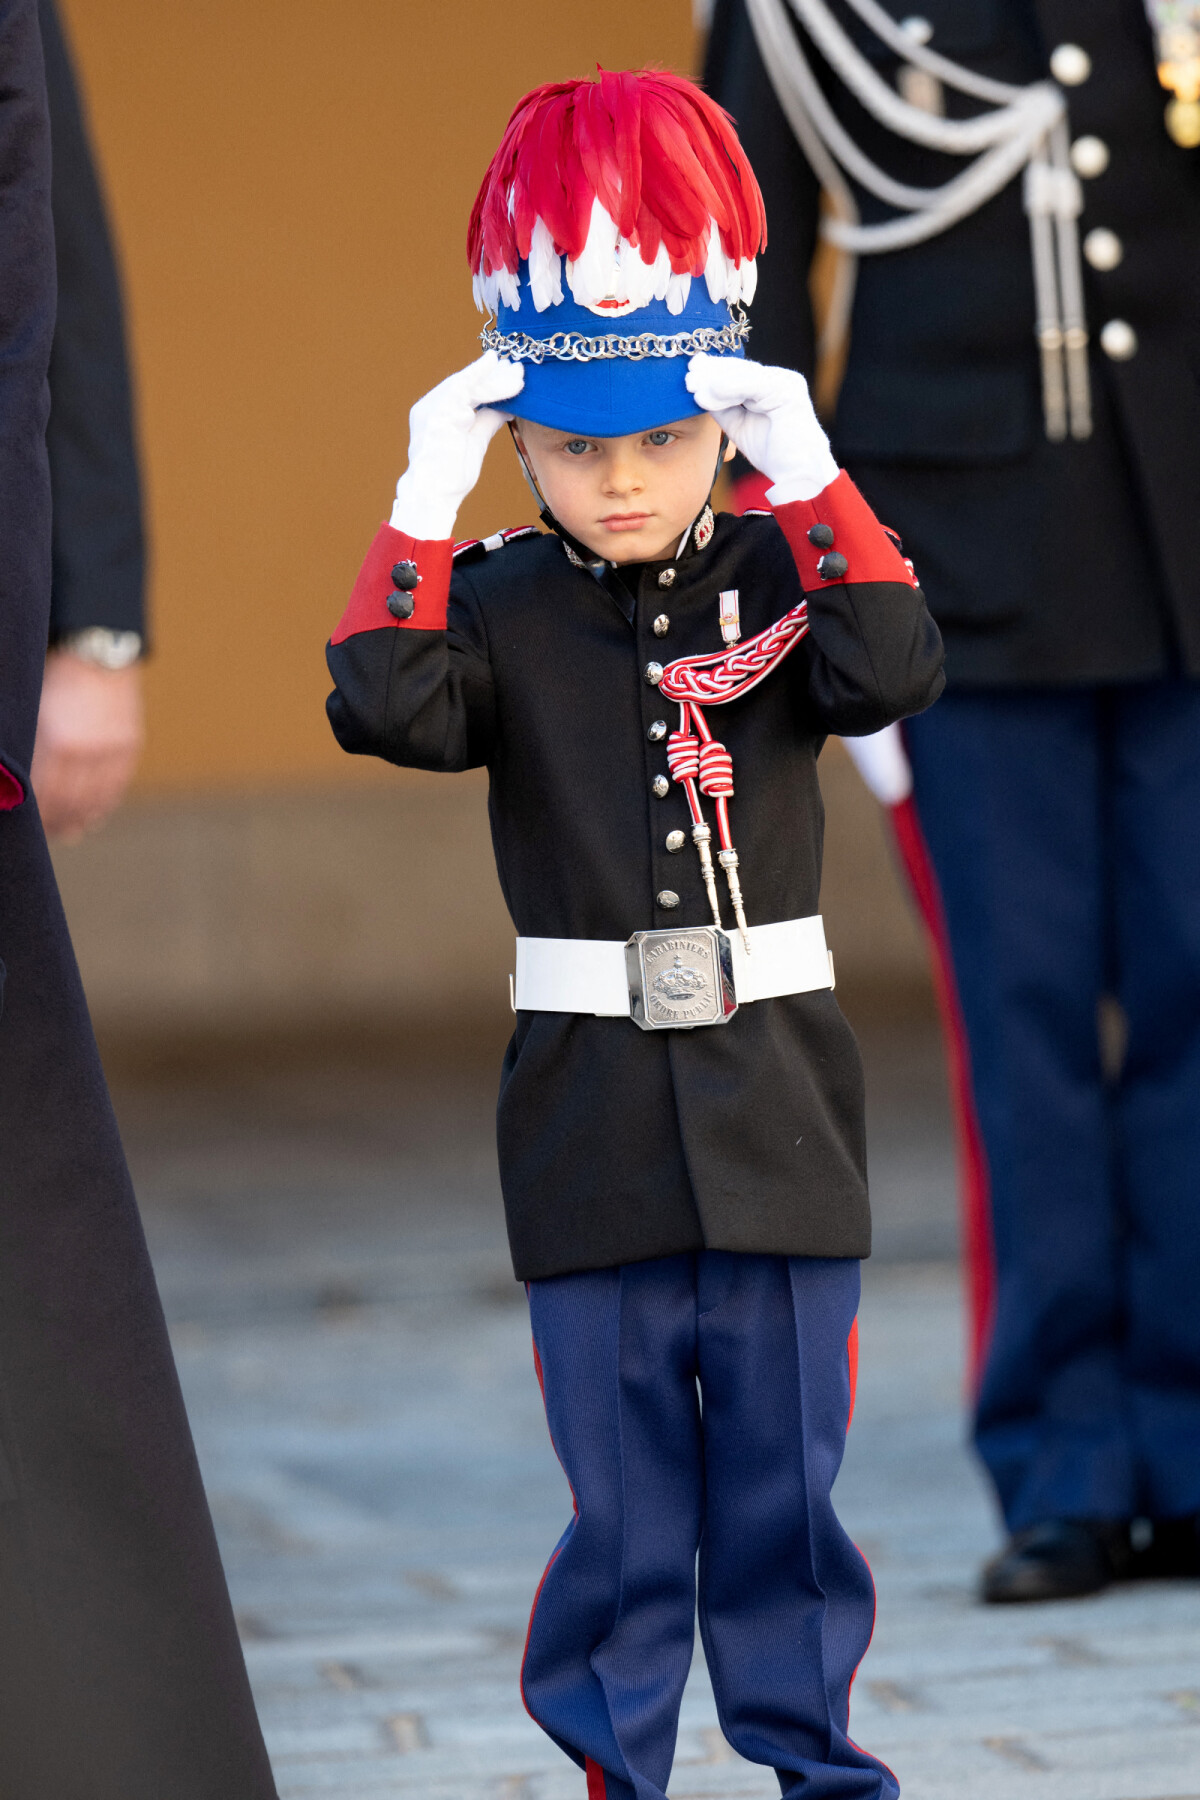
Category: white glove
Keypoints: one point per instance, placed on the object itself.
(882, 761)
(449, 432)
(768, 415)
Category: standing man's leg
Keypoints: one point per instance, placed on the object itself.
(1008, 788)
(1155, 849)
(786, 1601)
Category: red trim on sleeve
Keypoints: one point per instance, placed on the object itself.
(857, 534)
(367, 610)
(11, 792)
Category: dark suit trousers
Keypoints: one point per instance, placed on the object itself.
(1064, 826)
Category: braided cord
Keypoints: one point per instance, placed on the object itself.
(701, 764)
(728, 674)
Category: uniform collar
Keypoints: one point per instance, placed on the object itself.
(695, 539)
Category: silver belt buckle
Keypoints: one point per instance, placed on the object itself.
(680, 979)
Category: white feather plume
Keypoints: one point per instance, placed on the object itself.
(611, 268)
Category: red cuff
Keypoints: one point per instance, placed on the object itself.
(871, 555)
(368, 609)
(11, 792)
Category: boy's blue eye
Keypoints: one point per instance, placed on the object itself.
(577, 446)
(658, 438)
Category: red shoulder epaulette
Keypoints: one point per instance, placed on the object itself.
(473, 548)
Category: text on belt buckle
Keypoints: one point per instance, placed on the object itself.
(680, 979)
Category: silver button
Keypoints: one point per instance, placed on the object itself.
(662, 625)
(666, 577)
(657, 731)
(667, 899)
(1089, 157)
(675, 841)
(1118, 340)
(1103, 249)
(1070, 64)
(918, 29)
(653, 673)
(661, 786)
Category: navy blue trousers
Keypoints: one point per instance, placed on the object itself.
(699, 1404)
(1064, 826)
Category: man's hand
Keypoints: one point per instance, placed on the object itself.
(89, 738)
(768, 414)
(450, 430)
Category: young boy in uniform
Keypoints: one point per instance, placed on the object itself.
(681, 1111)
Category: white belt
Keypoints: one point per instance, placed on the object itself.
(591, 975)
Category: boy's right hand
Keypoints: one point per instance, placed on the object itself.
(450, 430)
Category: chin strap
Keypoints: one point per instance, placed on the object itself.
(579, 551)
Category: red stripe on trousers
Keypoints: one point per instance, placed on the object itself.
(852, 1359)
(595, 1779)
(541, 1379)
(852, 1354)
(974, 1183)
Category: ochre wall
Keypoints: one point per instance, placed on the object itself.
(290, 184)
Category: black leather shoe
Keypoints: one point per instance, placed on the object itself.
(1060, 1559)
(1172, 1552)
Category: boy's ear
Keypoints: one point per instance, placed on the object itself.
(730, 452)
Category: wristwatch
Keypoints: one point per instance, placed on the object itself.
(106, 649)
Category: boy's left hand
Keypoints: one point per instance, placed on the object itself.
(768, 415)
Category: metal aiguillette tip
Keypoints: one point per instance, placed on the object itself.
(729, 862)
(701, 835)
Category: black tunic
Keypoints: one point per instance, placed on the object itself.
(1043, 563)
(617, 1145)
(121, 1677)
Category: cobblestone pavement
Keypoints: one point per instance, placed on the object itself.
(356, 1360)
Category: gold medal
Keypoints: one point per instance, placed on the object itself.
(1183, 122)
(1176, 26)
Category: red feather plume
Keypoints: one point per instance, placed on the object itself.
(661, 157)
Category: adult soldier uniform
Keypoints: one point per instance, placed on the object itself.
(121, 1676)
(680, 1118)
(1021, 197)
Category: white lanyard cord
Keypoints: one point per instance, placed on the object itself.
(1026, 130)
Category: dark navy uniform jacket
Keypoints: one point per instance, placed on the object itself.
(121, 1677)
(97, 543)
(617, 1145)
(1042, 562)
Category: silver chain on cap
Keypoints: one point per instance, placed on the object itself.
(572, 346)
